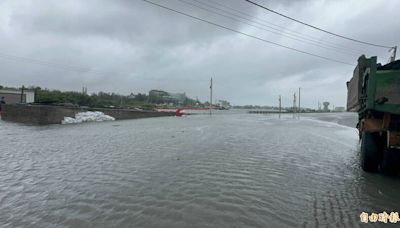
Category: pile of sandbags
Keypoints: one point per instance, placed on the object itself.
(87, 117)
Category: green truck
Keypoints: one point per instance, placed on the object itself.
(374, 92)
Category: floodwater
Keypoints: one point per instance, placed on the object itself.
(228, 170)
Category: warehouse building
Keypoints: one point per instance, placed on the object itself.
(16, 96)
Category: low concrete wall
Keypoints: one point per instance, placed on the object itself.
(47, 114)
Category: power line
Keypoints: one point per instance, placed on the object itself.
(314, 27)
(279, 32)
(282, 29)
(245, 34)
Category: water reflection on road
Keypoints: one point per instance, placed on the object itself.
(233, 170)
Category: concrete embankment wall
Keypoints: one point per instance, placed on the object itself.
(47, 114)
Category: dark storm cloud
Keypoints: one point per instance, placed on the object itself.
(133, 46)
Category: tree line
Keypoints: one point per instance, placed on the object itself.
(98, 100)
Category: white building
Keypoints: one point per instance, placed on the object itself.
(339, 109)
(14, 96)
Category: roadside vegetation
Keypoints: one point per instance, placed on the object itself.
(95, 100)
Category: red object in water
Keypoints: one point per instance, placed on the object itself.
(179, 112)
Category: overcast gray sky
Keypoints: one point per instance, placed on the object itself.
(133, 46)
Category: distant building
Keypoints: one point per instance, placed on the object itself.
(162, 97)
(157, 96)
(178, 98)
(339, 109)
(158, 93)
(222, 104)
(12, 96)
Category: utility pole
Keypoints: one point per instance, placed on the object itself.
(211, 91)
(393, 56)
(299, 103)
(22, 94)
(294, 105)
(280, 106)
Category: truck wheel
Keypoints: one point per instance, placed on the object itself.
(370, 156)
(391, 161)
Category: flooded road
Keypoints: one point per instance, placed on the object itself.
(233, 170)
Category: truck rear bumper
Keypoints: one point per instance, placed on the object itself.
(372, 124)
